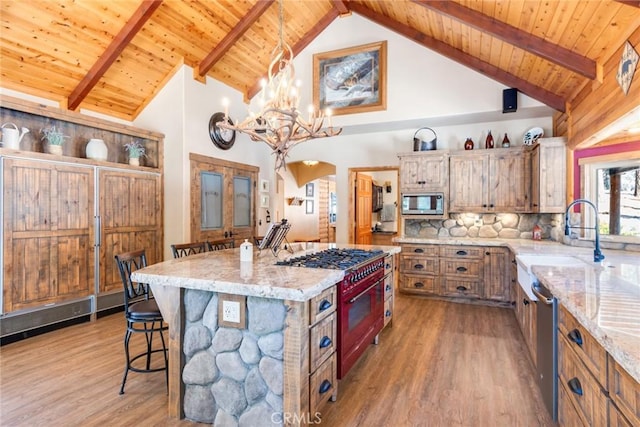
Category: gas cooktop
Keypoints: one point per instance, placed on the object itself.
(336, 259)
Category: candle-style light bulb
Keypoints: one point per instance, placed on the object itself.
(310, 110)
(328, 113)
(225, 104)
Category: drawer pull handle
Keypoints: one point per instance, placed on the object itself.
(418, 250)
(388, 288)
(575, 336)
(325, 342)
(525, 302)
(461, 269)
(387, 313)
(461, 288)
(324, 305)
(418, 266)
(575, 386)
(387, 266)
(325, 386)
(461, 253)
(419, 285)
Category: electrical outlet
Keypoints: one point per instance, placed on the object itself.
(231, 311)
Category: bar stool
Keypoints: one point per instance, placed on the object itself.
(185, 249)
(142, 314)
(218, 245)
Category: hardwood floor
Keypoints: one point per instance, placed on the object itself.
(441, 364)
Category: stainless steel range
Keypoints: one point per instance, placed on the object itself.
(360, 298)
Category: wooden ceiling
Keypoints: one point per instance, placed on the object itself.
(113, 57)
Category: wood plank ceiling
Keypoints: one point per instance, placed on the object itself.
(113, 57)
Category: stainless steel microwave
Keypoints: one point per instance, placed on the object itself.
(423, 204)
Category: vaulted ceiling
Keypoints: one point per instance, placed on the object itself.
(113, 57)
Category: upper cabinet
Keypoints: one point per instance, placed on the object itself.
(489, 181)
(424, 171)
(548, 175)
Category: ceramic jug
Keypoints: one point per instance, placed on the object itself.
(11, 136)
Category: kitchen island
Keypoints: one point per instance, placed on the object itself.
(262, 371)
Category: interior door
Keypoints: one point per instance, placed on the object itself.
(363, 208)
(222, 199)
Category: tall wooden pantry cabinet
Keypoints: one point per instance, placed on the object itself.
(64, 217)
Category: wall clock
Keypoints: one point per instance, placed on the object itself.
(627, 67)
(221, 138)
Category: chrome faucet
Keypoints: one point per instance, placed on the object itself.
(597, 253)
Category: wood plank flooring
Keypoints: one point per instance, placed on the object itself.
(441, 364)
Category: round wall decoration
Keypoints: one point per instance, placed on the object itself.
(222, 138)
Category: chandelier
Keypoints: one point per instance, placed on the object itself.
(279, 123)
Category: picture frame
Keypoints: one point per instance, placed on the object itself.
(309, 190)
(352, 80)
(264, 186)
(627, 67)
(264, 200)
(309, 207)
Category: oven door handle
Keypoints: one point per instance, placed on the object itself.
(537, 291)
(352, 300)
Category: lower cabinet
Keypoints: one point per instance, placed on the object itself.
(593, 389)
(456, 271)
(389, 287)
(526, 315)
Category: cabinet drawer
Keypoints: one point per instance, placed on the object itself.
(388, 264)
(461, 251)
(580, 386)
(388, 286)
(388, 311)
(461, 268)
(461, 287)
(616, 419)
(420, 284)
(430, 250)
(323, 339)
(625, 392)
(322, 305)
(323, 384)
(568, 416)
(580, 340)
(418, 264)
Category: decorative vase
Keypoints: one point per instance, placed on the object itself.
(468, 144)
(54, 149)
(96, 149)
(134, 161)
(488, 143)
(505, 141)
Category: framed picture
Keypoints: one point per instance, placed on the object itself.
(264, 186)
(309, 207)
(626, 67)
(264, 200)
(309, 190)
(352, 80)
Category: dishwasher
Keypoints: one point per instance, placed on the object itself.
(547, 346)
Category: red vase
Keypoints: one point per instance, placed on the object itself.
(468, 144)
(488, 143)
(505, 142)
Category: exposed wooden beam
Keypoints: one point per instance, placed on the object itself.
(634, 3)
(549, 98)
(233, 36)
(341, 5)
(512, 35)
(300, 45)
(118, 44)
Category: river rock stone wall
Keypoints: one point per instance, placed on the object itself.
(499, 226)
(233, 377)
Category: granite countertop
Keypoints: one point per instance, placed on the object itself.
(604, 297)
(222, 271)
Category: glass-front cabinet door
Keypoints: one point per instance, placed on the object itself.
(222, 200)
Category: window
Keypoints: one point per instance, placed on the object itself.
(614, 186)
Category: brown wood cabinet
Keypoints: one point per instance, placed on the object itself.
(465, 271)
(491, 181)
(65, 217)
(548, 175)
(593, 388)
(424, 171)
(526, 315)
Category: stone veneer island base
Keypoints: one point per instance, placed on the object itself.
(262, 373)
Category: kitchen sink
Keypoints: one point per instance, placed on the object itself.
(526, 278)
